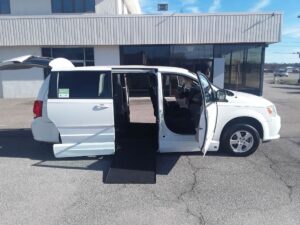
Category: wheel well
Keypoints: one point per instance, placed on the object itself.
(245, 120)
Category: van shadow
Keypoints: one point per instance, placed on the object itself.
(288, 88)
(19, 143)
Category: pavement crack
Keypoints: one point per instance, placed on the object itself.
(190, 190)
(273, 166)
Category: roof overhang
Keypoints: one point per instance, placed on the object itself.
(93, 30)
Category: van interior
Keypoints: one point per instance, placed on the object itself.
(136, 109)
(136, 112)
(182, 100)
(136, 106)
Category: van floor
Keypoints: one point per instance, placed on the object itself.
(135, 159)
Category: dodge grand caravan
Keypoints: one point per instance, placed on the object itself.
(81, 110)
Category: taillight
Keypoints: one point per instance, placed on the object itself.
(38, 109)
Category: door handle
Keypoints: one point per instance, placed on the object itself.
(100, 107)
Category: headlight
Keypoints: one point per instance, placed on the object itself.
(272, 110)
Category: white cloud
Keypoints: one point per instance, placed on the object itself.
(148, 6)
(215, 6)
(193, 9)
(185, 2)
(293, 32)
(260, 5)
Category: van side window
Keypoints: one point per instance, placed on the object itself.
(84, 85)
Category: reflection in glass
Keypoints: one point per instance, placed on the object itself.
(4, 7)
(145, 55)
(89, 5)
(78, 56)
(243, 62)
(68, 6)
(79, 5)
(243, 66)
(192, 57)
(73, 6)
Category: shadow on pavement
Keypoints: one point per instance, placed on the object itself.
(19, 143)
(288, 88)
(293, 92)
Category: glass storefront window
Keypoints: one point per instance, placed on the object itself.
(192, 52)
(78, 56)
(253, 67)
(145, 55)
(243, 64)
(73, 6)
(4, 7)
(192, 57)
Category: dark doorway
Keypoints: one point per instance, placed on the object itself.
(136, 126)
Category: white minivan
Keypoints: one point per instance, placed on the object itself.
(82, 110)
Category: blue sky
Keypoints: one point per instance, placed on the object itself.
(279, 52)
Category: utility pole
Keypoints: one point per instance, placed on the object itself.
(299, 58)
(299, 68)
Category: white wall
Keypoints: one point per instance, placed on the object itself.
(30, 7)
(133, 6)
(20, 83)
(107, 55)
(106, 7)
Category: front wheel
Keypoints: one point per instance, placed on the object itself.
(241, 140)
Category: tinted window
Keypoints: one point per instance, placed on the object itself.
(4, 7)
(84, 85)
(89, 6)
(79, 6)
(145, 55)
(78, 56)
(81, 55)
(57, 6)
(73, 6)
(243, 66)
(68, 5)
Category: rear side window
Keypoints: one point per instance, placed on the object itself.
(81, 85)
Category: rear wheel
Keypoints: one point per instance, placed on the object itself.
(241, 140)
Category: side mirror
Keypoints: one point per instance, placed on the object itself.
(221, 96)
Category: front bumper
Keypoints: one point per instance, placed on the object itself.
(273, 126)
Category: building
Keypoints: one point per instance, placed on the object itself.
(114, 32)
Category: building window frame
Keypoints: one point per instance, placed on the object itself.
(85, 61)
(6, 10)
(74, 9)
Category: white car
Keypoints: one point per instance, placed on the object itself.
(282, 72)
(81, 110)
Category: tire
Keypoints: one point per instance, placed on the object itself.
(240, 140)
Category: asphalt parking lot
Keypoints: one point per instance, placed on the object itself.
(36, 188)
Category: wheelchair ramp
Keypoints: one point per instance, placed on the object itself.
(133, 166)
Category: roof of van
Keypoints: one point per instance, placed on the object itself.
(165, 69)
